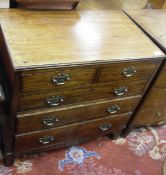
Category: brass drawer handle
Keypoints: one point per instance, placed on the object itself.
(120, 90)
(46, 139)
(54, 100)
(61, 79)
(113, 109)
(129, 71)
(50, 121)
(2, 96)
(105, 127)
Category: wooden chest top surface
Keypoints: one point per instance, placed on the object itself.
(53, 38)
(153, 22)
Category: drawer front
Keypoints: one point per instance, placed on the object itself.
(127, 71)
(153, 110)
(164, 67)
(39, 120)
(58, 78)
(161, 80)
(77, 76)
(108, 125)
(108, 90)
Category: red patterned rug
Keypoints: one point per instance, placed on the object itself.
(141, 153)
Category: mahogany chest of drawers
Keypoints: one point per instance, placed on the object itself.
(73, 76)
(153, 109)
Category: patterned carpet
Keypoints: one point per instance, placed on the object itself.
(141, 153)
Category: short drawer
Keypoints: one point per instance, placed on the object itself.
(45, 119)
(133, 70)
(95, 92)
(56, 79)
(107, 125)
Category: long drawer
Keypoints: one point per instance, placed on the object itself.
(46, 118)
(77, 76)
(107, 125)
(96, 92)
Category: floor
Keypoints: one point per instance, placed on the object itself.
(141, 153)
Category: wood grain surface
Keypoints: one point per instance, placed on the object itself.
(46, 4)
(33, 120)
(37, 44)
(91, 128)
(112, 4)
(76, 96)
(153, 109)
(43, 38)
(42, 80)
(153, 22)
